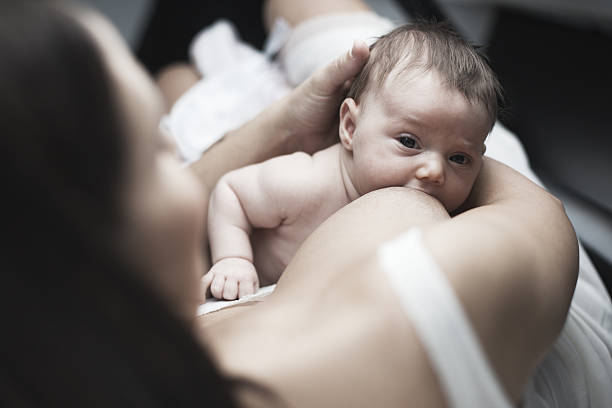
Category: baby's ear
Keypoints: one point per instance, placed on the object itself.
(349, 111)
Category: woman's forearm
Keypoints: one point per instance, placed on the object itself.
(513, 263)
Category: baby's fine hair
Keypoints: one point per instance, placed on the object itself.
(432, 46)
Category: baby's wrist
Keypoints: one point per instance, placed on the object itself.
(233, 258)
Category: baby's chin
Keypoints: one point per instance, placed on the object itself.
(456, 207)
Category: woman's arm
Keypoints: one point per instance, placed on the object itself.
(513, 262)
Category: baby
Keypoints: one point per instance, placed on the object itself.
(417, 116)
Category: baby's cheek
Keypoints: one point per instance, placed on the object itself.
(382, 175)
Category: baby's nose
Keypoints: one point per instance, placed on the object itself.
(431, 169)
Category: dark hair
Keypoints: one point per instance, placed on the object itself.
(432, 46)
(79, 327)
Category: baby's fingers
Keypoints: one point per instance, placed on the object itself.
(246, 288)
(231, 289)
(217, 286)
(205, 284)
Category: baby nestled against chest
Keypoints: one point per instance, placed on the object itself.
(419, 122)
(260, 215)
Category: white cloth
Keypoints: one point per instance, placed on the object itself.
(212, 305)
(577, 372)
(237, 83)
(319, 40)
(443, 327)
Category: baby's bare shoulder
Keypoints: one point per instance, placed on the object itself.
(301, 175)
(277, 171)
(295, 160)
(296, 167)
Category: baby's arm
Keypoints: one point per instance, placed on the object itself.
(232, 274)
(259, 196)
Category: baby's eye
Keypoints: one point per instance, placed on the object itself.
(460, 159)
(407, 141)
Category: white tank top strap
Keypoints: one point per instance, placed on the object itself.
(443, 327)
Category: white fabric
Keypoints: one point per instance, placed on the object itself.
(440, 321)
(319, 40)
(577, 372)
(237, 83)
(212, 305)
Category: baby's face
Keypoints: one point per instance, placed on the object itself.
(414, 132)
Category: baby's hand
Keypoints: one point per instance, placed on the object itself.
(231, 278)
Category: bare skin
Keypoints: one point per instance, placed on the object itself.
(323, 350)
(174, 80)
(357, 297)
(275, 205)
(511, 287)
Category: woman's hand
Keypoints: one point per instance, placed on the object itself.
(306, 120)
(311, 117)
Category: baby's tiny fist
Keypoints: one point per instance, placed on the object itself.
(233, 278)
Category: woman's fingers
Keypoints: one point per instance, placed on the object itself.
(331, 79)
